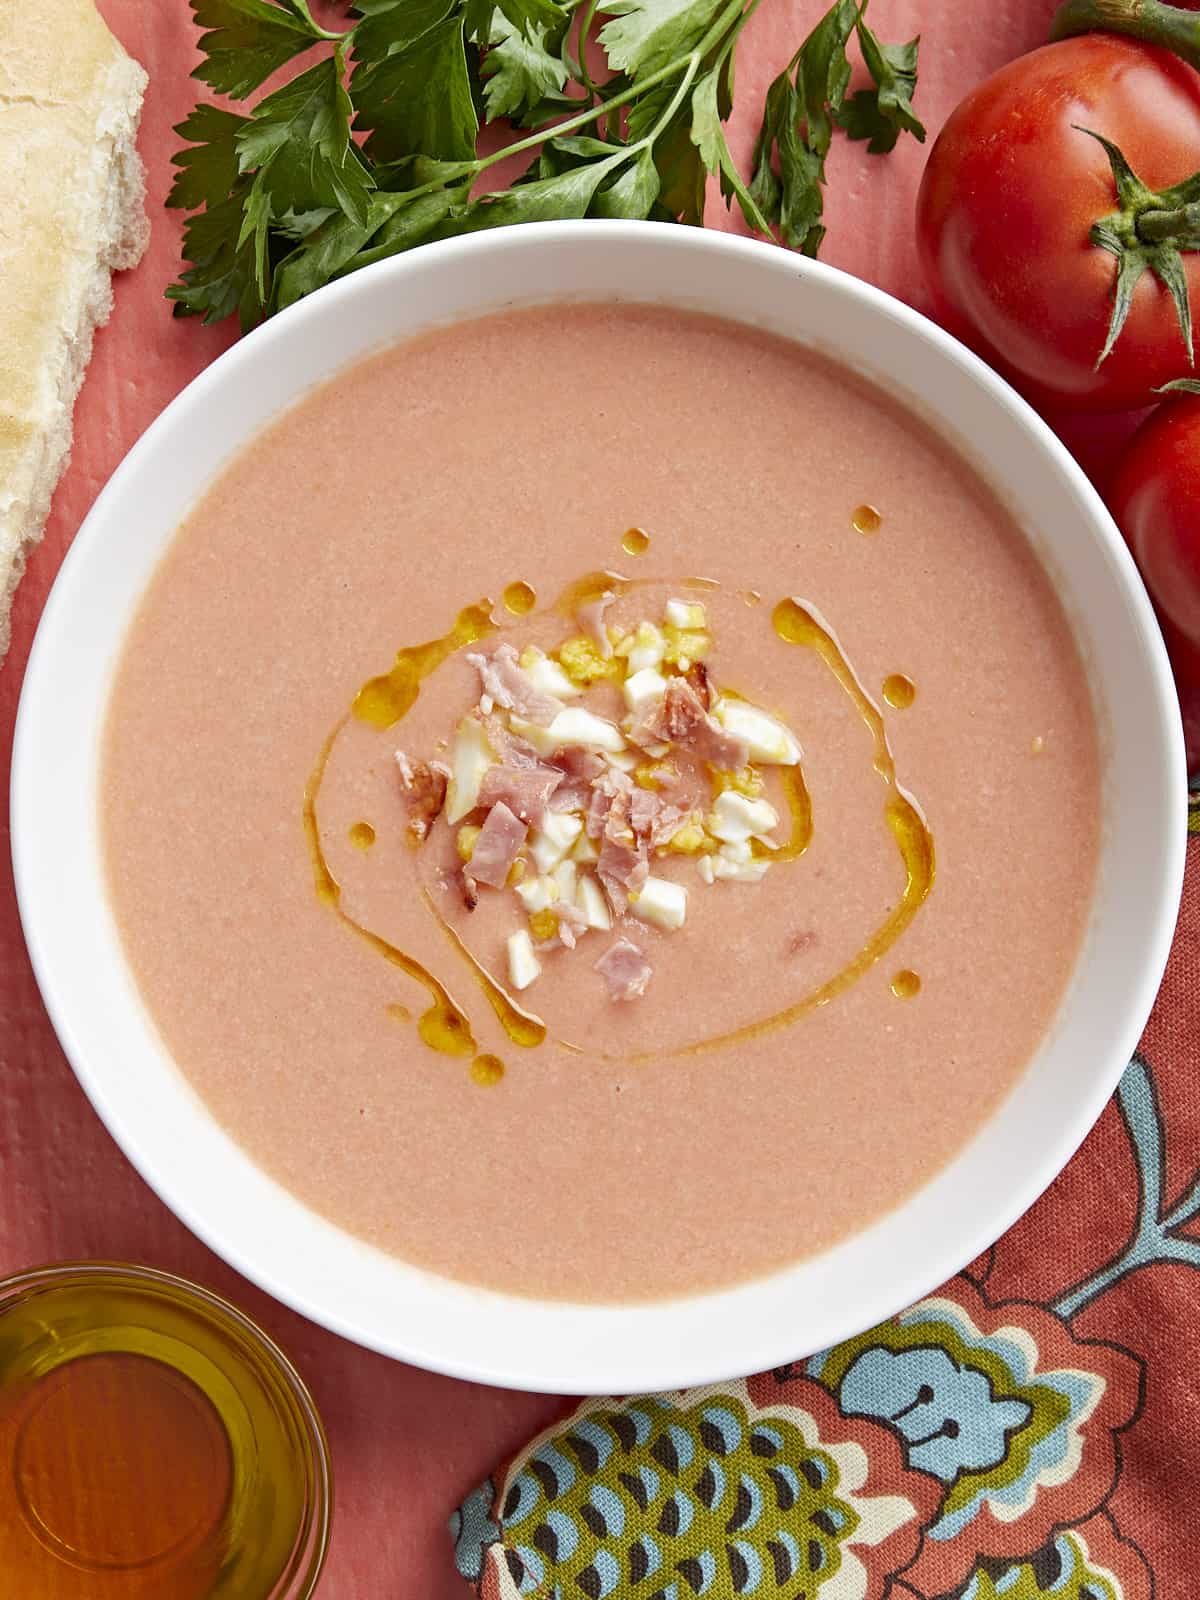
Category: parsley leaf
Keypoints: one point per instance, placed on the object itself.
(248, 40)
(882, 114)
(208, 167)
(220, 281)
(419, 97)
(285, 199)
(646, 35)
(299, 141)
(519, 71)
(389, 25)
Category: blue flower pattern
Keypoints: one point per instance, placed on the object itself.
(473, 1530)
(947, 1413)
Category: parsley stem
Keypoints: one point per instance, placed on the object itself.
(305, 15)
(685, 83)
(587, 17)
(558, 129)
(735, 11)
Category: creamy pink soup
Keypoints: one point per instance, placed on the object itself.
(810, 1047)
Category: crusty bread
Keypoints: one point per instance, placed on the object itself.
(72, 209)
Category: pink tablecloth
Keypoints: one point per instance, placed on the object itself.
(407, 1445)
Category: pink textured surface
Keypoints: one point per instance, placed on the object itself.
(406, 1445)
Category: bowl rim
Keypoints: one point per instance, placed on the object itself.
(300, 1579)
(760, 1345)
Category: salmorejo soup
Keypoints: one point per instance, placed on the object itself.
(610, 847)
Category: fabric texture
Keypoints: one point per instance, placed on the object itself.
(971, 1447)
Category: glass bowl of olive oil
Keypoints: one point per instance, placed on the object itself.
(154, 1445)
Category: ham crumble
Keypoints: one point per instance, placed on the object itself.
(569, 810)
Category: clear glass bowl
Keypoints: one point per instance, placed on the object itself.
(154, 1444)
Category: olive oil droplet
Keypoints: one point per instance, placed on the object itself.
(899, 691)
(866, 519)
(520, 599)
(905, 985)
(635, 541)
(384, 700)
(487, 1071)
(751, 596)
(362, 835)
(397, 1012)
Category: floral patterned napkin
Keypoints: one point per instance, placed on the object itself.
(1023, 1433)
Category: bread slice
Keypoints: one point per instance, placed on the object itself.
(72, 209)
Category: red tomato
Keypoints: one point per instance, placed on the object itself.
(1009, 195)
(1156, 501)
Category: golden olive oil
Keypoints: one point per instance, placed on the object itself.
(153, 1446)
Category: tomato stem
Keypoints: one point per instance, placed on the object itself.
(1149, 20)
(1157, 226)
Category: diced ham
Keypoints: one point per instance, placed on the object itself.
(597, 814)
(652, 818)
(680, 719)
(571, 923)
(611, 783)
(526, 791)
(510, 747)
(580, 763)
(496, 848)
(424, 784)
(697, 676)
(623, 866)
(667, 823)
(510, 686)
(591, 620)
(625, 970)
(644, 806)
(572, 794)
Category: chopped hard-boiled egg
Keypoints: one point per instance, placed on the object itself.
(689, 838)
(589, 897)
(738, 871)
(662, 902)
(705, 865)
(538, 893)
(766, 738)
(572, 727)
(623, 760)
(685, 614)
(565, 874)
(735, 817)
(471, 757)
(585, 850)
(547, 675)
(550, 843)
(523, 964)
(583, 663)
(643, 648)
(642, 689)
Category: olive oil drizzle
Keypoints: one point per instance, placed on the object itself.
(442, 1026)
(522, 1027)
(385, 700)
(798, 624)
(800, 808)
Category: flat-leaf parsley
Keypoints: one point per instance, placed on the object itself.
(373, 146)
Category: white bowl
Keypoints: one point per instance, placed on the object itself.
(334, 1278)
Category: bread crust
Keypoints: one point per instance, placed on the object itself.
(72, 211)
